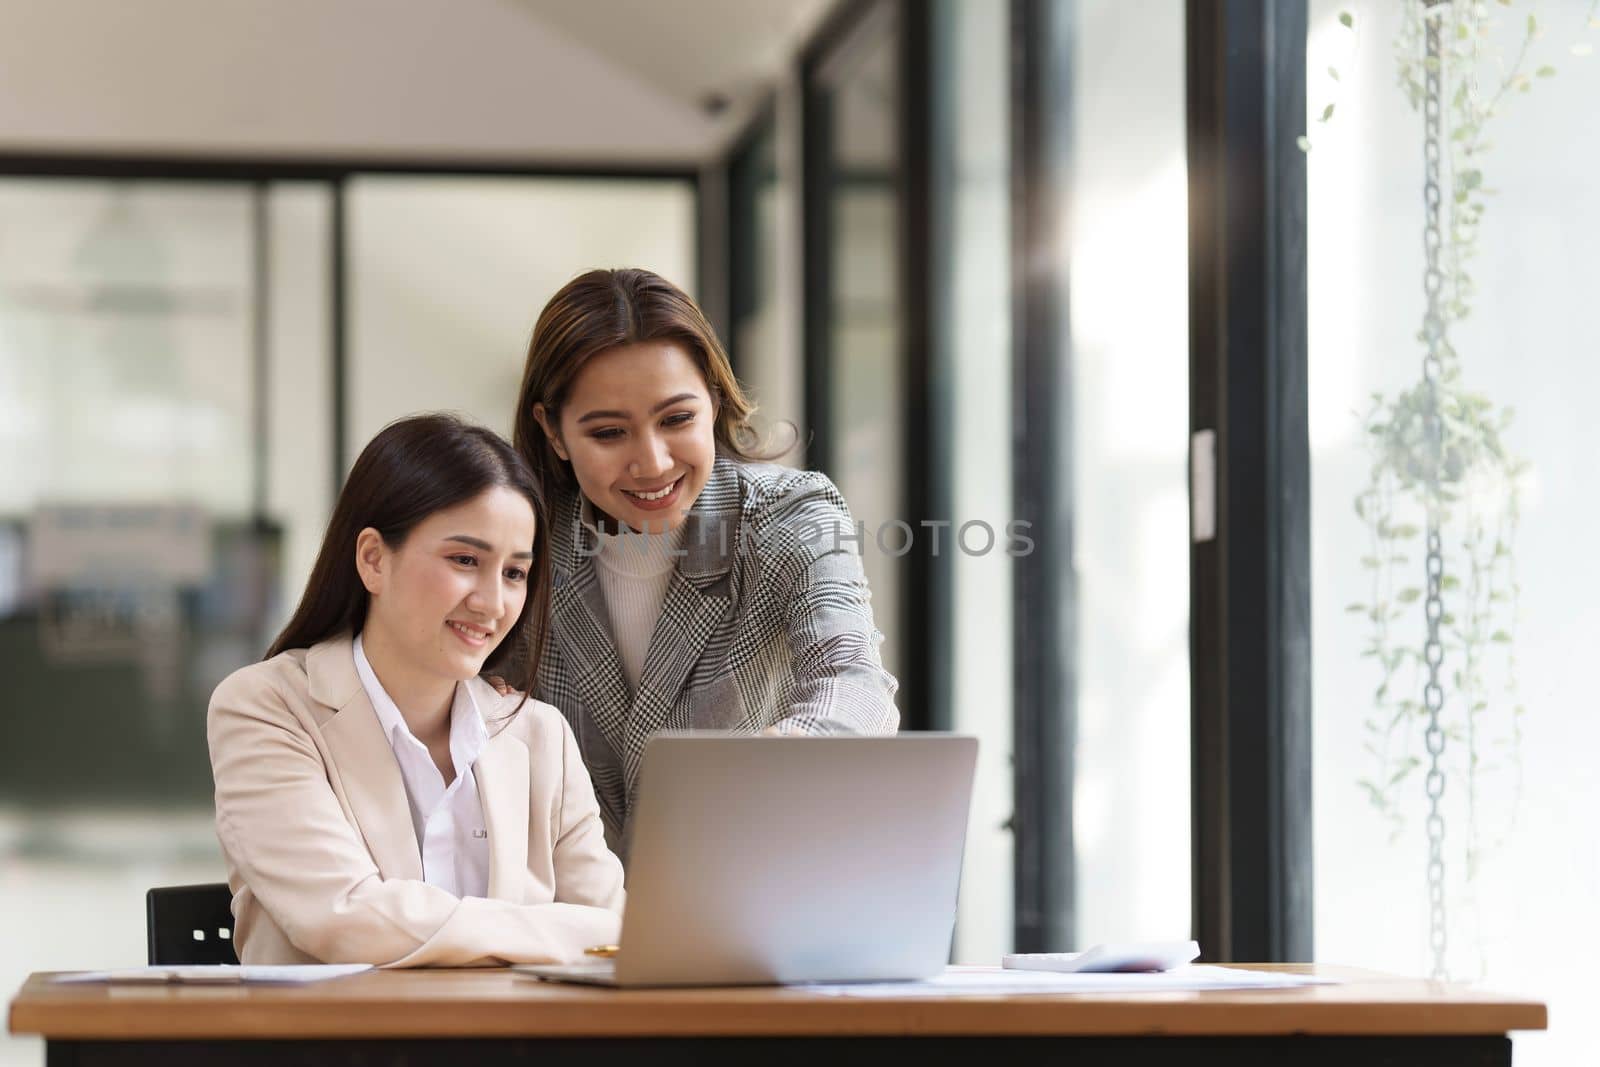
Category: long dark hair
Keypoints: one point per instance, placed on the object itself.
(605, 309)
(413, 468)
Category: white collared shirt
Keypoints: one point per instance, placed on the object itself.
(451, 831)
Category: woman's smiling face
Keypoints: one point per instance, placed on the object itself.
(446, 596)
(637, 427)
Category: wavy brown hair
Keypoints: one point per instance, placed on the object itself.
(602, 310)
(413, 468)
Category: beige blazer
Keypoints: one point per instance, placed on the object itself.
(321, 853)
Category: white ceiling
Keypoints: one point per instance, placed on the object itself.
(690, 49)
(596, 81)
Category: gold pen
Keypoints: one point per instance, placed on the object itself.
(601, 950)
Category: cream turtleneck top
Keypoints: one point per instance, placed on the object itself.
(634, 570)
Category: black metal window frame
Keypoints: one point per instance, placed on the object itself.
(1250, 583)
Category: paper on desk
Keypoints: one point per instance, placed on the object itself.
(226, 974)
(993, 981)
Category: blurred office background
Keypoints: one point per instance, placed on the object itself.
(996, 262)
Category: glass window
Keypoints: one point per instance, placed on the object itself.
(132, 574)
(127, 342)
(1129, 350)
(166, 428)
(1512, 255)
(860, 95)
(167, 423)
(763, 270)
(447, 275)
(972, 157)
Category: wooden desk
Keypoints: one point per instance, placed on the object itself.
(487, 1018)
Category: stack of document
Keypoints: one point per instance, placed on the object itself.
(996, 981)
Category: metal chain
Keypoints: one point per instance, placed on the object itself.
(1433, 430)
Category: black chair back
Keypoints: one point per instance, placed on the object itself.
(190, 924)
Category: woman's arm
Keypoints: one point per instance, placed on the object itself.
(840, 686)
(284, 830)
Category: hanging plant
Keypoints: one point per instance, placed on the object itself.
(1442, 500)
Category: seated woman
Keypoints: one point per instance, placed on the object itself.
(376, 802)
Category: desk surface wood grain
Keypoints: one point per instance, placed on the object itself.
(498, 1003)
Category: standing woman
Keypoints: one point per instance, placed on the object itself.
(744, 607)
(376, 801)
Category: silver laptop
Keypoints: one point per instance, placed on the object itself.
(776, 860)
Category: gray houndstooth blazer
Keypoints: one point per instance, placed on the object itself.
(766, 622)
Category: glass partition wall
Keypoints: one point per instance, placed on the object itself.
(920, 217)
(170, 353)
(856, 367)
(1127, 354)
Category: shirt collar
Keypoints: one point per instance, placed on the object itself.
(468, 734)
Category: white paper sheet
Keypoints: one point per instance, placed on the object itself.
(269, 974)
(993, 981)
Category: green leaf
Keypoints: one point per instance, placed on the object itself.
(1500, 637)
(1546, 71)
(1533, 25)
(1409, 596)
(1347, 20)
(1411, 764)
(1355, 609)
(1327, 113)
(1333, 72)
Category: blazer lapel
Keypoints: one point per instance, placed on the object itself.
(698, 599)
(580, 624)
(503, 790)
(364, 760)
